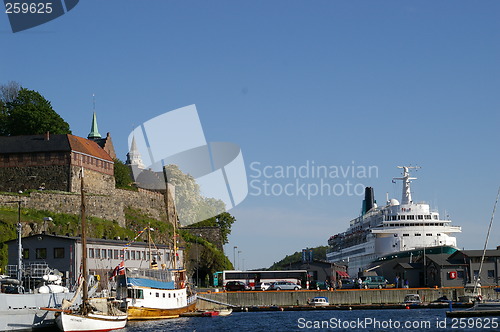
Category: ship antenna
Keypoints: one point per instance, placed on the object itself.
(406, 196)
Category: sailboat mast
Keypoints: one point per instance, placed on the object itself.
(19, 243)
(486, 243)
(174, 222)
(84, 242)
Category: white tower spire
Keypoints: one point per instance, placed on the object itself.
(406, 197)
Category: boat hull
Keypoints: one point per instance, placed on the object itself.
(142, 313)
(93, 322)
(21, 312)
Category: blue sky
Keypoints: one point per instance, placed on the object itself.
(382, 83)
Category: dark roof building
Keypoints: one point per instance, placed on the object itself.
(53, 162)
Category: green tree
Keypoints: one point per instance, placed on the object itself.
(223, 220)
(30, 114)
(8, 93)
(123, 178)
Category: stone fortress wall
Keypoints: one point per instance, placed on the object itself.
(109, 206)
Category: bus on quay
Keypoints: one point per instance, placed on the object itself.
(254, 277)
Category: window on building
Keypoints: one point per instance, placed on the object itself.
(411, 217)
(58, 252)
(402, 217)
(435, 217)
(406, 234)
(110, 253)
(115, 254)
(418, 234)
(460, 274)
(428, 234)
(98, 253)
(103, 253)
(91, 252)
(122, 254)
(491, 273)
(127, 255)
(420, 217)
(132, 254)
(26, 254)
(41, 253)
(157, 294)
(427, 216)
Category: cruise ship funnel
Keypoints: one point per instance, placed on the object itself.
(369, 201)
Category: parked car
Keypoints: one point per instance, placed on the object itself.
(349, 284)
(284, 285)
(319, 285)
(374, 282)
(233, 286)
(262, 286)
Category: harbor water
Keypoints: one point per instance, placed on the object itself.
(355, 320)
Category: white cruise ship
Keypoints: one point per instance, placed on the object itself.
(397, 229)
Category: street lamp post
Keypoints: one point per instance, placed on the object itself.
(234, 256)
(239, 252)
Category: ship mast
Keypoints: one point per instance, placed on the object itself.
(84, 245)
(406, 196)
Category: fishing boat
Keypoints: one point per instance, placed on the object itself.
(397, 229)
(92, 314)
(20, 306)
(157, 292)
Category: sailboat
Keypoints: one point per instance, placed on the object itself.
(92, 314)
(481, 307)
(157, 293)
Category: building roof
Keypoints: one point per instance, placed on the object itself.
(440, 259)
(51, 143)
(87, 146)
(477, 253)
(33, 143)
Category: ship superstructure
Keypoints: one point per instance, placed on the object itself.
(394, 230)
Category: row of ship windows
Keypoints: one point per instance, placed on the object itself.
(416, 224)
(139, 294)
(418, 234)
(411, 217)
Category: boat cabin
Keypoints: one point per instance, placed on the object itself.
(319, 301)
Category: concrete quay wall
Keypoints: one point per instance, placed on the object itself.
(338, 297)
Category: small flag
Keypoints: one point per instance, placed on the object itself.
(119, 270)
